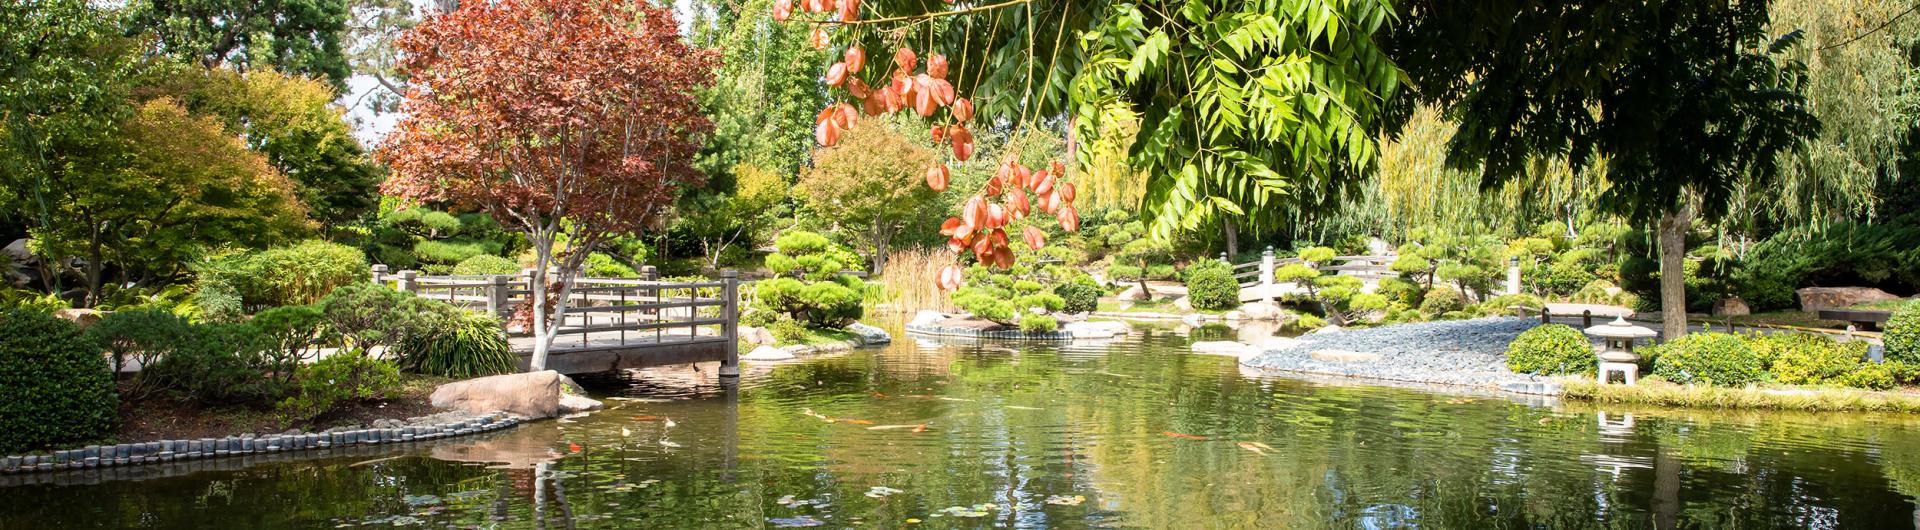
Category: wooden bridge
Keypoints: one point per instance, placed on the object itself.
(1257, 277)
(611, 323)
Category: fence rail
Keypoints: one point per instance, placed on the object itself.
(1262, 274)
(602, 313)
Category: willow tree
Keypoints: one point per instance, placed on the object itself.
(1245, 108)
(1683, 101)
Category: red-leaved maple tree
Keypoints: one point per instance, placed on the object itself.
(567, 120)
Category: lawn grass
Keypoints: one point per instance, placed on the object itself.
(1803, 399)
(1157, 305)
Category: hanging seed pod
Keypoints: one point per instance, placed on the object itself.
(1066, 193)
(855, 57)
(996, 215)
(937, 178)
(937, 66)
(819, 39)
(859, 89)
(1070, 219)
(836, 74)
(973, 210)
(849, 10)
(782, 10)
(1035, 238)
(962, 142)
(948, 227)
(904, 59)
(956, 244)
(963, 109)
(1017, 202)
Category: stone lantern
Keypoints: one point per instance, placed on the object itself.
(1617, 353)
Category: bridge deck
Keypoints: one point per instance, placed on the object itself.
(605, 351)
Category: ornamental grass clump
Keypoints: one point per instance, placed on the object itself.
(461, 345)
(1707, 358)
(1551, 349)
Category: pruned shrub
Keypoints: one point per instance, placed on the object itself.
(293, 335)
(809, 287)
(788, 332)
(1808, 359)
(139, 337)
(1551, 349)
(759, 318)
(339, 379)
(1079, 295)
(366, 316)
(486, 265)
(1210, 285)
(55, 390)
(1902, 338)
(460, 345)
(1122, 273)
(1442, 300)
(223, 364)
(292, 275)
(1039, 323)
(1707, 358)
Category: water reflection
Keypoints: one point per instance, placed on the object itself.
(1132, 434)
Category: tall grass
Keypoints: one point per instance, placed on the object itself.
(911, 281)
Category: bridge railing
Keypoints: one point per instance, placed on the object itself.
(1261, 273)
(602, 313)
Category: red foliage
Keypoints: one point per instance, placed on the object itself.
(536, 110)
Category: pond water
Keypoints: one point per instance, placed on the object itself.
(1136, 433)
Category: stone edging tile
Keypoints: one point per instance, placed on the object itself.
(98, 456)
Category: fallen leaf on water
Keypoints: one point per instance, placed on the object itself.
(574, 447)
(1251, 447)
(1183, 436)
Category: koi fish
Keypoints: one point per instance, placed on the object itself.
(1184, 436)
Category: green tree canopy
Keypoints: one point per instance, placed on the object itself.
(300, 36)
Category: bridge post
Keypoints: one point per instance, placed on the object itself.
(730, 367)
(407, 281)
(379, 274)
(1266, 273)
(498, 303)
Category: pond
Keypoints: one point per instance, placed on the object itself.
(1136, 433)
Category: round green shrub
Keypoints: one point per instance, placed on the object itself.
(1708, 358)
(1442, 300)
(788, 332)
(1210, 285)
(1902, 338)
(485, 265)
(759, 318)
(1080, 295)
(339, 379)
(55, 390)
(1871, 376)
(1551, 349)
(1039, 324)
(1807, 359)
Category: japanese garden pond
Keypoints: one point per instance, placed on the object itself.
(1133, 433)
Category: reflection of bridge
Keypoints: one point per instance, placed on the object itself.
(611, 323)
(1257, 280)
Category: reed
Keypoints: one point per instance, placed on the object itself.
(910, 282)
(1795, 399)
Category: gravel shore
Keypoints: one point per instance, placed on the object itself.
(1460, 352)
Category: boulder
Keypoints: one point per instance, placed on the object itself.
(83, 317)
(1262, 311)
(869, 335)
(1818, 298)
(572, 403)
(926, 318)
(1344, 356)
(767, 353)
(1329, 328)
(1731, 306)
(533, 394)
(1225, 347)
(757, 336)
(1097, 330)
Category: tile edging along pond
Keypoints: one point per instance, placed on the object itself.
(127, 454)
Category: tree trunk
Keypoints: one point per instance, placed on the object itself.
(1673, 279)
(880, 245)
(1233, 239)
(542, 341)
